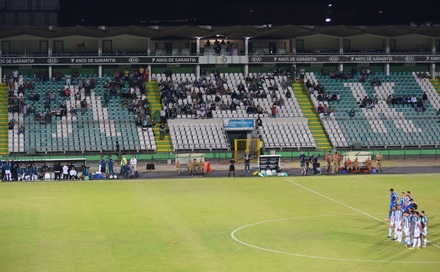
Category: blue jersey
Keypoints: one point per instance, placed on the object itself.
(302, 158)
(393, 197)
(20, 171)
(103, 163)
(7, 166)
(110, 163)
(34, 170)
(402, 202)
(28, 171)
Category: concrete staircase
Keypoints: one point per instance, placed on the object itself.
(153, 96)
(309, 111)
(4, 147)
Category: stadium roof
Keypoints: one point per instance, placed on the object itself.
(187, 32)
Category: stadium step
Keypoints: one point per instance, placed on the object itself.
(436, 83)
(4, 136)
(315, 125)
(153, 96)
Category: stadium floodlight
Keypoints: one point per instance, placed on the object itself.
(328, 20)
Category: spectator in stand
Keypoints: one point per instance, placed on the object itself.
(21, 129)
(68, 80)
(83, 106)
(273, 111)
(351, 113)
(162, 131)
(67, 92)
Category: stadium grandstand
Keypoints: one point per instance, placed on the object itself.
(158, 89)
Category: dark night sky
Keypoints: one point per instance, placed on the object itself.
(246, 12)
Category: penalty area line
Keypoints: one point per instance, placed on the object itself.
(343, 204)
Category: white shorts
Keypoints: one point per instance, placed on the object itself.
(398, 226)
(406, 231)
(7, 172)
(416, 233)
(425, 231)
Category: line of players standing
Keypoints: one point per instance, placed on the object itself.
(406, 219)
(11, 171)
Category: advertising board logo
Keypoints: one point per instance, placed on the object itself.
(256, 59)
(52, 60)
(409, 58)
(333, 59)
(133, 60)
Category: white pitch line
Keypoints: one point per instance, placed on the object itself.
(311, 256)
(345, 205)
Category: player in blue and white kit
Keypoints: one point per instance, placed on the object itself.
(406, 203)
(393, 201)
(417, 231)
(20, 173)
(406, 225)
(398, 224)
(402, 200)
(392, 226)
(7, 170)
(424, 220)
(34, 172)
(27, 173)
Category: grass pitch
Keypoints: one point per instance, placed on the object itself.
(325, 223)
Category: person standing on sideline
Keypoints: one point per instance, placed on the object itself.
(178, 167)
(57, 171)
(247, 161)
(393, 202)
(302, 163)
(110, 165)
(65, 171)
(231, 167)
(202, 166)
(7, 169)
(328, 159)
(335, 160)
(133, 164)
(123, 162)
(102, 165)
(379, 159)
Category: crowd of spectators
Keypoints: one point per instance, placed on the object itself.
(419, 104)
(24, 99)
(367, 102)
(130, 86)
(182, 96)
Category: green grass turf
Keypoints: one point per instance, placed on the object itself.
(186, 224)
